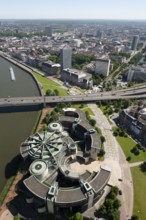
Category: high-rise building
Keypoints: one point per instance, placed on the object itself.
(102, 67)
(48, 31)
(134, 42)
(66, 58)
(99, 34)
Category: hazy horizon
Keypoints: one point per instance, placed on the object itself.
(73, 10)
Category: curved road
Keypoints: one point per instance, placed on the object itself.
(115, 158)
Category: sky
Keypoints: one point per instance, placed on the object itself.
(73, 9)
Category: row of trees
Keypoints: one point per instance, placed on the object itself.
(97, 79)
(90, 120)
(111, 106)
(135, 60)
(102, 138)
(125, 103)
(119, 131)
(120, 54)
(110, 208)
(49, 92)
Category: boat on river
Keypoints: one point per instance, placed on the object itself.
(12, 74)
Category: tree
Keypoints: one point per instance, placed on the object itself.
(143, 167)
(56, 92)
(112, 196)
(115, 133)
(116, 204)
(128, 158)
(48, 92)
(77, 216)
(139, 146)
(92, 122)
(115, 190)
(126, 103)
(101, 153)
(115, 215)
(87, 115)
(134, 217)
(82, 105)
(122, 133)
(102, 138)
(135, 150)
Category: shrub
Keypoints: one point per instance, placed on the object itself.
(128, 158)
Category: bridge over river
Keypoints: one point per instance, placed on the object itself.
(46, 100)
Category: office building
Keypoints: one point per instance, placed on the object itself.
(134, 43)
(77, 77)
(99, 34)
(48, 31)
(102, 67)
(51, 68)
(52, 183)
(137, 74)
(66, 58)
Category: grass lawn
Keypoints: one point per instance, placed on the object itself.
(6, 189)
(127, 144)
(83, 107)
(88, 110)
(49, 84)
(139, 181)
(103, 109)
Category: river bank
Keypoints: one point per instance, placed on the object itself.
(11, 192)
(25, 68)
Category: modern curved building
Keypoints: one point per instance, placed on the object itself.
(52, 185)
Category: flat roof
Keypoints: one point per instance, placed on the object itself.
(36, 187)
(70, 196)
(100, 180)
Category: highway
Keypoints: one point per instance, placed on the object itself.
(131, 93)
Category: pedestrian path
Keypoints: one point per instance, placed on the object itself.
(135, 164)
(110, 145)
(115, 158)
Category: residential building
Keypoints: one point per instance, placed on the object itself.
(134, 120)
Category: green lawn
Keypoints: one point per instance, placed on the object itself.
(88, 110)
(83, 107)
(139, 181)
(6, 189)
(49, 84)
(127, 144)
(103, 109)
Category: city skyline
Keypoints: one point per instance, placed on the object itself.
(73, 9)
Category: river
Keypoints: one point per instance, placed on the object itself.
(15, 127)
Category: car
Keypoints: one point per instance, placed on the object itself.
(120, 179)
(120, 192)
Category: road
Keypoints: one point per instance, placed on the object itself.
(115, 158)
(109, 78)
(131, 93)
